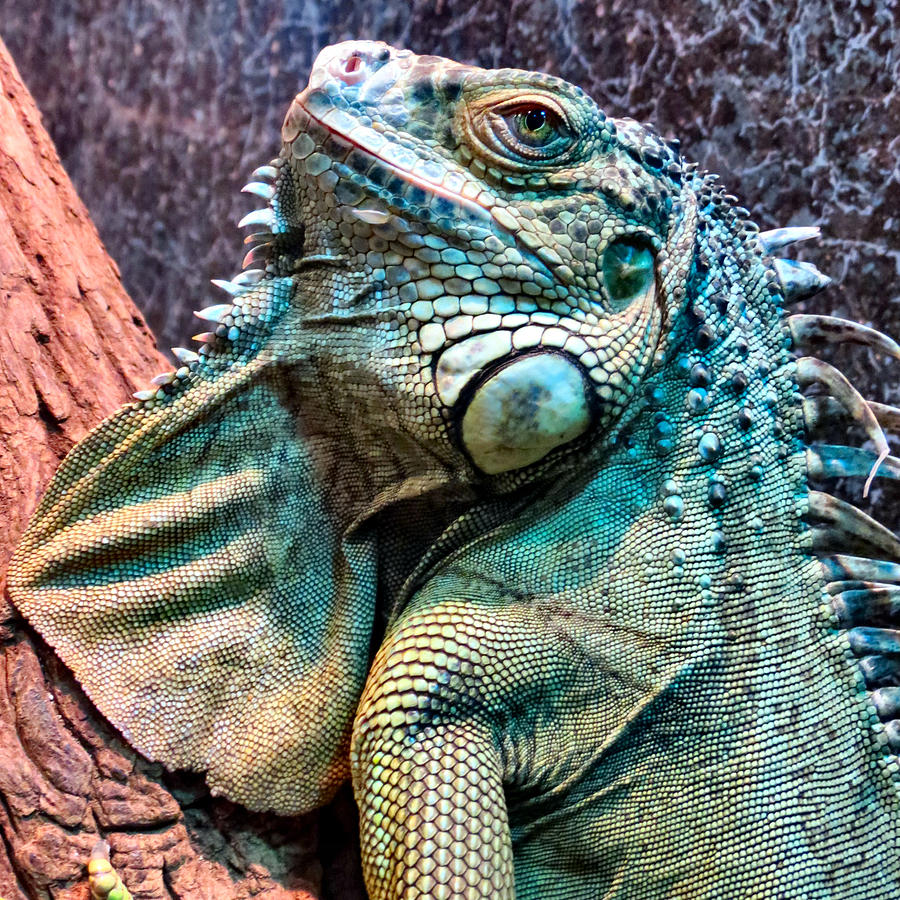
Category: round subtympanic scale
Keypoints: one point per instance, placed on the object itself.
(525, 410)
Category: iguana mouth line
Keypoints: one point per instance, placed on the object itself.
(406, 175)
(434, 189)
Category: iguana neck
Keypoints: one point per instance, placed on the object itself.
(684, 587)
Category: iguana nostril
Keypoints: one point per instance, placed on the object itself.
(353, 69)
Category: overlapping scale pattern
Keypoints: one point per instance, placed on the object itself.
(489, 488)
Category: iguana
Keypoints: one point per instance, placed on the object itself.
(490, 489)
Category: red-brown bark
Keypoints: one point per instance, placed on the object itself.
(72, 348)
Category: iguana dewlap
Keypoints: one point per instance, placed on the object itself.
(489, 488)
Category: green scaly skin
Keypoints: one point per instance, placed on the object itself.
(489, 490)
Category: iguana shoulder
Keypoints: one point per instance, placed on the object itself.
(491, 488)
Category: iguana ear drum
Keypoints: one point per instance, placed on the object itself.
(524, 409)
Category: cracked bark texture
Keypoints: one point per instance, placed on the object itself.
(161, 110)
(72, 349)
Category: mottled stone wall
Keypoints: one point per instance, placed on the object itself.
(160, 110)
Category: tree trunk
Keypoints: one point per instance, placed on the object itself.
(73, 348)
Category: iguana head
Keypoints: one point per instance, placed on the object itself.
(516, 251)
(464, 282)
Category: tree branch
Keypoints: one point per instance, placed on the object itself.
(72, 349)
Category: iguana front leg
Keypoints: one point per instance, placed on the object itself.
(428, 773)
(499, 726)
(434, 821)
(475, 697)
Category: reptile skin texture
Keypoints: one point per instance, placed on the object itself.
(492, 488)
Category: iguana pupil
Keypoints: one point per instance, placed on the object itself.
(538, 128)
(534, 119)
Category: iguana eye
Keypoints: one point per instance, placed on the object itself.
(628, 270)
(536, 126)
(536, 131)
